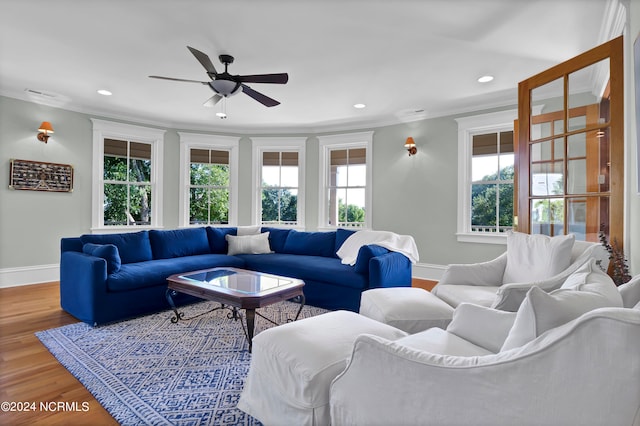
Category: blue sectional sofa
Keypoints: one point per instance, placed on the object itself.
(110, 277)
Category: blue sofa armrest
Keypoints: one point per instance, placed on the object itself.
(389, 270)
(82, 284)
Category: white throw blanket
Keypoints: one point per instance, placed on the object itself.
(391, 241)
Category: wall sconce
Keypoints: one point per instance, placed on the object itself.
(45, 129)
(410, 145)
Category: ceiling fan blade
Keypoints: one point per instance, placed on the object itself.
(263, 99)
(203, 58)
(212, 101)
(281, 78)
(178, 79)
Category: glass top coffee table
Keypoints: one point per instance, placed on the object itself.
(235, 289)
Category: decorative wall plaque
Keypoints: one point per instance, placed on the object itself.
(38, 176)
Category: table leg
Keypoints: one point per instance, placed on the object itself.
(302, 301)
(251, 317)
(178, 315)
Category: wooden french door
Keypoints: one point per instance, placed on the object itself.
(570, 168)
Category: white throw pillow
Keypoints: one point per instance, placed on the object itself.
(542, 311)
(589, 277)
(247, 230)
(248, 244)
(482, 326)
(630, 292)
(536, 257)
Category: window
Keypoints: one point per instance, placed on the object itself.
(279, 188)
(346, 180)
(486, 173)
(492, 182)
(127, 184)
(208, 179)
(208, 187)
(279, 181)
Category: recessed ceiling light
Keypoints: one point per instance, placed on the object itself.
(485, 79)
(359, 106)
(105, 92)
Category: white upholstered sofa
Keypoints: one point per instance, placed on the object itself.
(566, 357)
(569, 357)
(530, 260)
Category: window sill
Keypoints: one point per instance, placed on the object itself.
(476, 237)
(122, 229)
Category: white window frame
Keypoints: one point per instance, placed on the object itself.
(277, 144)
(468, 127)
(190, 141)
(344, 141)
(102, 130)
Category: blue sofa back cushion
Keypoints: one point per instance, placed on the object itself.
(132, 246)
(341, 237)
(217, 241)
(108, 252)
(277, 238)
(311, 243)
(364, 256)
(179, 243)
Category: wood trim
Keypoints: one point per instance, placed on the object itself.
(612, 50)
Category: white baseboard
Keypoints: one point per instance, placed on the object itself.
(428, 271)
(26, 275)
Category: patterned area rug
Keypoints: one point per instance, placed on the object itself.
(149, 371)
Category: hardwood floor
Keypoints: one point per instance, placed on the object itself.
(29, 373)
(30, 377)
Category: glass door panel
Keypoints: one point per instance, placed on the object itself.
(551, 95)
(570, 157)
(547, 216)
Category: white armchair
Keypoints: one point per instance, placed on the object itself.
(585, 372)
(566, 357)
(530, 260)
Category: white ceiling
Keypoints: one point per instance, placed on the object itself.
(404, 59)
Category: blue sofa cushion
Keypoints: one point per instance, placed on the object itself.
(311, 243)
(217, 242)
(277, 238)
(365, 254)
(341, 237)
(179, 243)
(156, 272)
(132, 246)
(315, 268)
(108, 252)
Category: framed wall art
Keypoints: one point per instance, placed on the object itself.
(39, 176)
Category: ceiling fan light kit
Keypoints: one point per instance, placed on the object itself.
(226, 85)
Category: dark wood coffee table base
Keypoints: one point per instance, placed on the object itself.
(233, 299)
(234, 313)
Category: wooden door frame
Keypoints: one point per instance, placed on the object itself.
(613, 50)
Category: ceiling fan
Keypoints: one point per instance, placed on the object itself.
(225, 84)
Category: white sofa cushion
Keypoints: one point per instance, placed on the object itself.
(441, 342)
(410, 309)
(630, 292)
(536, 257)
(482, 326)
(455, 294)
(589, 277)
(587, 289)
